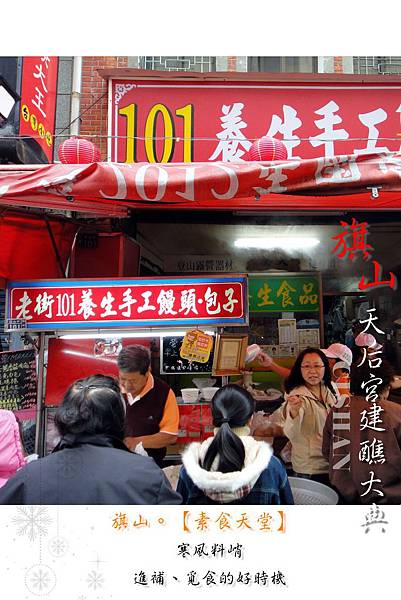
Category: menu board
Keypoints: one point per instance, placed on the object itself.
(172, 363)
(18, 382)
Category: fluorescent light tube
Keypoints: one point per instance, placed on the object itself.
(277, 241)
(128, 334)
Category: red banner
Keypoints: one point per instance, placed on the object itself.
(38, 100)
(221, 186)
(56, 304)
(176, 121)
(27, 249)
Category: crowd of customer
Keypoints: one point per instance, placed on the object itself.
(338, 435)
(342, 433)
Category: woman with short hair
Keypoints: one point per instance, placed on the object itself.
(231, 467)
(309, 395)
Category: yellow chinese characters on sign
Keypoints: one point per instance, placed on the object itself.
(284, 292)
(196, 346)
(264, 295)
(289, 292)
(308, 295)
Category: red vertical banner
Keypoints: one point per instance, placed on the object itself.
(38, 100)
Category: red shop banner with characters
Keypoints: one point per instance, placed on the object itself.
(69, 304)
(38, 100)
(196, 121)
(369, 182)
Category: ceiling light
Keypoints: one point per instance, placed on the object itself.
(277, 241)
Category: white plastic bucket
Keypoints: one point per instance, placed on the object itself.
(208, 393)
(190, 394)
(307, 491)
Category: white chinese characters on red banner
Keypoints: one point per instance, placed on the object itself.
(215, 185)
(38, 100)
(129, 302)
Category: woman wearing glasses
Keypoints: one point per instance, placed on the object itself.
(309, 395)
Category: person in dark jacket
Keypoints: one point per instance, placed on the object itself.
(90, 464)
(362, 439)
(232, 467)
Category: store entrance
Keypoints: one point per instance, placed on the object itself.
(340, 313)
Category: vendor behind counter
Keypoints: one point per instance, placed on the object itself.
(152, 416)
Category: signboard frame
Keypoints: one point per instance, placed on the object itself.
(223, 354)
(29, 356)
(241, 317)
(275, 275)
(161, 107)
(33, 120)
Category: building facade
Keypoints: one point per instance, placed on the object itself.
(93, 93)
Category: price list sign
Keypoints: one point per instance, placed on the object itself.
(18, 381)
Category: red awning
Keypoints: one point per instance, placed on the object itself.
(338, 183)
(34, 247)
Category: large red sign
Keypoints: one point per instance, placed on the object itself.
(174, 121)
(68, 304)
(38, 100)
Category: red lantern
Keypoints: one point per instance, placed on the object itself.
(267, 149)
(78, 151)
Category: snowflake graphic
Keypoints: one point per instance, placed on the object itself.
(40, 580)
(95, 580)
(58, 547)
(32, 521)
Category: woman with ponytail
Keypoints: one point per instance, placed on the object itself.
(231, 467)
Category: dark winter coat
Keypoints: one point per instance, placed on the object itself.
(342, 445)
(90, 470)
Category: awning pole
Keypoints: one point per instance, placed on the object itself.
(56, 252)
(39, 435)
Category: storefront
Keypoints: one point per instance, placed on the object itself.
(342, 170)
(83, 325)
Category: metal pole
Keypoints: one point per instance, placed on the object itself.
(76, 95)
(53, 241)
(39, 437)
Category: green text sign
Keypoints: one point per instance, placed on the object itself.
(277, 293)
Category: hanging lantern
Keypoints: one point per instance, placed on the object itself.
(267, 148)
(78, 151)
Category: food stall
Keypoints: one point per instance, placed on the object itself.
(285, 316)
(83, 323)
